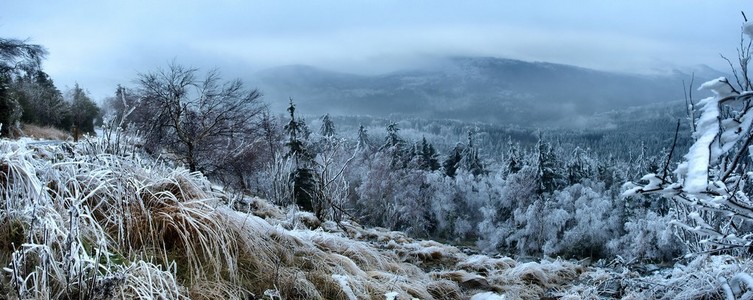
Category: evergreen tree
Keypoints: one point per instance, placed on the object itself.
(83, 110)
(296, 136)
(41, 102)
(395, 146)
(611, 174)
(14, 55)
(433, 158)
(393, 139)
(326, 139)
(122, 104)
(363, 139)
(578, 168)
(549, 177)
(10, 109)
(514, 160)
(303, 177)
(471, 160)
(452, 162)
(412, 153)
(428, 156)
(305, 130)
(328, 127)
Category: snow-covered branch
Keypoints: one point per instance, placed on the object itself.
(712, 175)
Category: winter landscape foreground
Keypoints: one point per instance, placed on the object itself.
(79, 223)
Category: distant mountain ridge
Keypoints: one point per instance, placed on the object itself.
(486, 89)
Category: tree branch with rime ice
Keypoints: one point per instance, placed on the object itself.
(710, 181)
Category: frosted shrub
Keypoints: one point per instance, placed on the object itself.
(586, 219)
(650, 239)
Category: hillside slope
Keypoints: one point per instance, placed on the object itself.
(78, 223)
(494, 90)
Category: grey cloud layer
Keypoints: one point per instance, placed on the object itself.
(108, 43)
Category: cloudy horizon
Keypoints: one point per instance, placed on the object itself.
(102, 45)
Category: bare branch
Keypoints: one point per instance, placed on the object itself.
(734, 71)
(671, 151)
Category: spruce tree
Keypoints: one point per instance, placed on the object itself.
(395, 146)
(41, 102)
(471, 161)
(514, 160)
(578, 168)
(452, 162)
(83, 110)
(428, 156)
(363, 139)
(303, 177)
(328, 127)
(549, 177)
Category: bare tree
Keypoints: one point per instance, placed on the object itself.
(205, 122)
(332, 187)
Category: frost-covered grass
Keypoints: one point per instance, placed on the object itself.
(79, 223)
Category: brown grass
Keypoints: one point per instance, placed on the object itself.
(44, 133)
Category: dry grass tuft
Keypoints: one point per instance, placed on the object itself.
(44, 133)
(533, 279)
(484, 265)
(260, 208)
(444, 289)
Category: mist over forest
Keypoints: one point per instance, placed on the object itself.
(477, 89)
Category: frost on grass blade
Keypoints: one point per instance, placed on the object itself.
(345, 286)
(488, 296)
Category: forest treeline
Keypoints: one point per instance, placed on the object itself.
(28, 95)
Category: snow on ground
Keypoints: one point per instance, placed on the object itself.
(487, 296)
(153, 231)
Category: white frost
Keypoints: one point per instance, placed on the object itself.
(696, 167)
(714, 137)
(488, 296)
(342, 280)
(719, 86)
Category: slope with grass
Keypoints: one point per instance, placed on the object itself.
(78, 223)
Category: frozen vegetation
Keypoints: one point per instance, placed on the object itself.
(79, 222)
(192, 189)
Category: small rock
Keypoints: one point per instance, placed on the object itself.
(476, 283)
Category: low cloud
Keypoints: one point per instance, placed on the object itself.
(102, 45)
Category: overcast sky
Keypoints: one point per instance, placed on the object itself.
(102, 43)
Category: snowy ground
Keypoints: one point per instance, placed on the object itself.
(77, 222)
